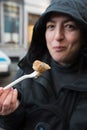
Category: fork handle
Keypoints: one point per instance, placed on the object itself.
(16, 81)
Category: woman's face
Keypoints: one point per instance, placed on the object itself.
(63, 38)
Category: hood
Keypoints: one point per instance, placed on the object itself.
(74, 8)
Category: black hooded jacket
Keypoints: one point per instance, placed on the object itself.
(57, 100)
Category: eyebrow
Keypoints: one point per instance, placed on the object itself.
(65, 21)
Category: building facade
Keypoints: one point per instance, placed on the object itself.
(17, 18)
(11, 13)
(32, 11)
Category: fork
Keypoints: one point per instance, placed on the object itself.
(32, 75)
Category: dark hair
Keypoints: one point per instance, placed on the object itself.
(38, 49)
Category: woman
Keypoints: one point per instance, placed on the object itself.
(57, 100)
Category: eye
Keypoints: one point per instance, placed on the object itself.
(50, 26)
(70, 27)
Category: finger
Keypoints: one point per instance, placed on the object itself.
(1, 90)
(15, 95)
(14, 101)
(7, 102)
(6, 107)
(4, 94)
(10, 102)
(3, 97)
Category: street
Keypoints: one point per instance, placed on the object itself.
(4, 80)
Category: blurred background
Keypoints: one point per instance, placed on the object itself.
(17, 18)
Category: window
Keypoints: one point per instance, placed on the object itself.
(11, 23)
(11, 19)
(32, 18)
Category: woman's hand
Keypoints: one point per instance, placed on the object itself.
(8, 100)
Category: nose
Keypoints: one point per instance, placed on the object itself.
(59, 34)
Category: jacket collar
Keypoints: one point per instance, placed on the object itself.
(79, 85)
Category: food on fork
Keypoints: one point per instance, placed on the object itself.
(40, 66)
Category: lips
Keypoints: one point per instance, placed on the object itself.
(59, 48)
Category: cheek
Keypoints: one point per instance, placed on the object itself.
(74, 47)
(74, 40)
(48, 37)
(48, 40)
